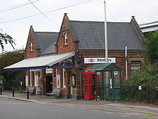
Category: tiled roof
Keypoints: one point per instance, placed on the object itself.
(45, 41)
(49, 50)
(119, 34)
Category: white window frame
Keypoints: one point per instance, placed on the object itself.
(31, 78)
(58, 81)
(65, 38)
(64, 86)
(36, 80)
(26, 80)
(135, 65)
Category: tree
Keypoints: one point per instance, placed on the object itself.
(151, 45)
(7, 39)
(7, 59)
(148, 75)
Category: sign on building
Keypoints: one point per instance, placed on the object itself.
(49, 71)
(98, 60)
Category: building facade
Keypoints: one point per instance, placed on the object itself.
(78, 45)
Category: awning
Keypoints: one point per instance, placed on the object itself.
(104, 67)
(39, 62)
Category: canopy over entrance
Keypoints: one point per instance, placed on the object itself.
(104, 67)
(42, 62)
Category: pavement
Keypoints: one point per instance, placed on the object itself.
(49, 100)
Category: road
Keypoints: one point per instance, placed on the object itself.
(16, 109)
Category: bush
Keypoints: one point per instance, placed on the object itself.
(147, 94)
(148, 75)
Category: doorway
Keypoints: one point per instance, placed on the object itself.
(48, 84)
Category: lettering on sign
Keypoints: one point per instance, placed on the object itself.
(98, 60)
(49, 71)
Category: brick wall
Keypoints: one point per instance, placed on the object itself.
(31, 53)
(65, 29)
(119, 55)
(31, 45)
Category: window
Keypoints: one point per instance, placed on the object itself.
(32, 75)
(65, 39)
(26, 80)
(64, 84)
(36, 80)
(58, 81)
(135, 65)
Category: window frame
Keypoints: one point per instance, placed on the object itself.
(135, 65)
(65, 38)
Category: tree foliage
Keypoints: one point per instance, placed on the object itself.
(7, 59)
(151, 46)
(148, 75)
(4, 38)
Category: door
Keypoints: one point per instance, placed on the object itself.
(48, 84)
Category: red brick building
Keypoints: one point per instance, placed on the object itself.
(78, 45)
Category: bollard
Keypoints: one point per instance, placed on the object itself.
(13, 91)
(0, 91)
(27, 93)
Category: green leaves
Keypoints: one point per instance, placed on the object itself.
(151, 45)
(7, 59)
(148, 75)
(7, 39)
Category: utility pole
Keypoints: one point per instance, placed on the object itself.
(106, 80)
(105, 29)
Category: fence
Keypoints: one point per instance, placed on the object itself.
(148, 94)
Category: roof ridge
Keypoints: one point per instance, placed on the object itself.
(44, 32)
(97, 21)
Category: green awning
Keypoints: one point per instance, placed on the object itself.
(104, 67)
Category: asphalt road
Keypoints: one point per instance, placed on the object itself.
(16, 109)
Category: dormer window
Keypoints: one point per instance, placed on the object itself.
(65, 39)
(31, 47)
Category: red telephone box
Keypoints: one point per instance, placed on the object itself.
(89, 85)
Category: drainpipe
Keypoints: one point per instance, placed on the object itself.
(126, 65)
(81, 84)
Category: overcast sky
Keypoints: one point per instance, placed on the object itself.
(16, 16)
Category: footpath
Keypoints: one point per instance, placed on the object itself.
(49, 100)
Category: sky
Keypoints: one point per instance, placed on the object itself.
(16, 16)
